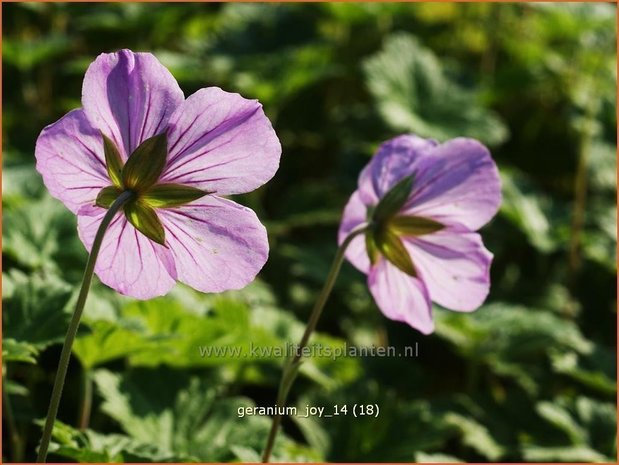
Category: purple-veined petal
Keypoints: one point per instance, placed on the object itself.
(395, 159)
(400, 296)
(128, 261)
(456, 183)
(70, 158)
(129, 97)
(355, 213)
(217, 244)
(454, 265)
(221, 143)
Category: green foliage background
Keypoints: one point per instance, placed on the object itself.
(528, 377)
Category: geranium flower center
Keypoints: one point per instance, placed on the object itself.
(387, 227)
(140, 175)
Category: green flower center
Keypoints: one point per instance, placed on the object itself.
(140, 175)
(387, 228)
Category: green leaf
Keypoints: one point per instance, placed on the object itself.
(393, 201)
(392, 248)
(107, 196)
(586, 430)
(37, 233)
(563, 454)
(602, 166)
(511, 340)
(145, 219)
(599, 242)
(413, 93)
(560, 417)
(526, 207)
(171, 195)
(414, 225)
(599, 419)
(113, 161)
(221, 332)
(106, 341)
(16, 351)
(20, 181)
(422, 457)
(183, 414)
(146, 163)
(220, 338)
(403, 427)
(27, 54)
(37, 311)
(596, 370)
(476, 435)
(14, 388)
(89, 446)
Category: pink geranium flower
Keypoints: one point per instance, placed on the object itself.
(136, 131)
(423, 202)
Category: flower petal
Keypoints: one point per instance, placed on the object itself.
(217, 244)
(128, 261)
(401, 297)
(220, 142)
(456, 183)
(455, 267)
(355, 213)
(70, 158)
(395, 159)
(129, 97)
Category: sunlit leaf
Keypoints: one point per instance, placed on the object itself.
(37, 311)
(184, 415)
(476, 436)
(523, 206)
(34, 234)
(16, 351)
(105, 341)
(89, 446)
(414, 94)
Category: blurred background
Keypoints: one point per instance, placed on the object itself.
(530, 376)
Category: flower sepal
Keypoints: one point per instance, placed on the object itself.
(144, 218)
(113, 161)
(390, 246)
(414, 225)
(393, 201)
(171, 195)
(106, 196)
(146, 163)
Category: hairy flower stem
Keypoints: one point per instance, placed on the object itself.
(291, 369)
(65, 355)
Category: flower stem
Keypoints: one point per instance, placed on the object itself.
(86, 404)
(291, 368)
(580, 190)
(65, 355)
